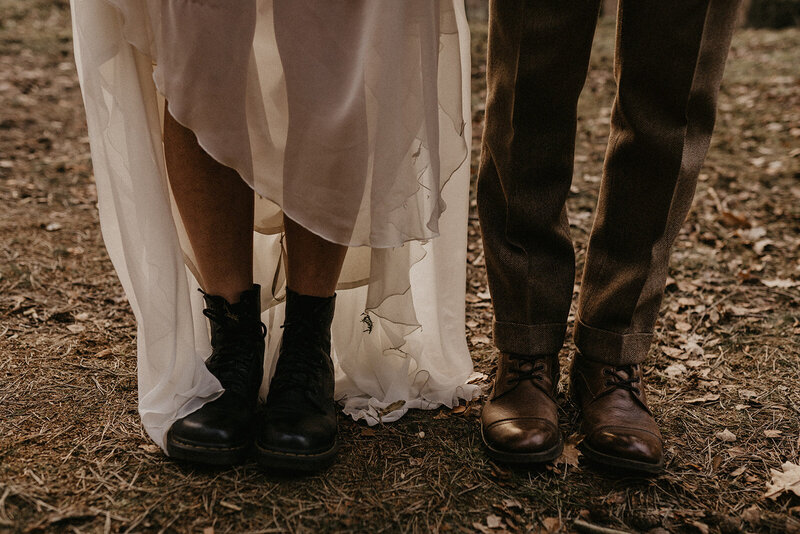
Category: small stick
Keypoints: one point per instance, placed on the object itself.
(588, 528)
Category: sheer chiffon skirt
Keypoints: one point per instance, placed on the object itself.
(352, 118)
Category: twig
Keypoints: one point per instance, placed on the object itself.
(4, 519)
(583, 526)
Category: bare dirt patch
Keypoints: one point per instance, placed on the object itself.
(73, 456)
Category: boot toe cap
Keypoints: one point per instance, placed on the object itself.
(627, 444)
(200, 428)
(296, 437)
(522, 436)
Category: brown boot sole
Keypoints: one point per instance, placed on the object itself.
(298, 462)
(521, 458)
(618, 462)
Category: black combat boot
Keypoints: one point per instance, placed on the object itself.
(221, 432)
(298, 427)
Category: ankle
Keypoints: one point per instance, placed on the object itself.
(235, 322)
(310, 293)
(231, 294)
(310, 307)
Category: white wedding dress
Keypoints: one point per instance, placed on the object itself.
(352, 117)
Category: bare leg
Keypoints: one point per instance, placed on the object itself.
(314, 264)
(216, 206)
(298, 428)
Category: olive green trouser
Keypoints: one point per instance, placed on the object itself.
(669, 62)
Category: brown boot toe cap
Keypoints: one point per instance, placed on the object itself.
(627, 444)
(522, 436)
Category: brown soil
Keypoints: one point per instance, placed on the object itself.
(73, 457)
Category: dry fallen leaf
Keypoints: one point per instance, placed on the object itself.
(761, 244)
(569, 456)
(773, 433)
(675, 370)
(733, 220)
(674, 352)
(708, 397)
(747, 393)
(551, 525)
(735, 452)
(780, 283)
(716, 461)
(500, 473)
(752, 234)
(725, 435)
(396, 405)
(461, 408)
(739, 311)
(476, 377)
(693, 347)
(783, 481)
(752, 515)
(739, 471)
(480, 339)
(494, 521)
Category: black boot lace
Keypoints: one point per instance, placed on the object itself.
(623, 377)
(233, 361)
(302, 364)
(530, 368)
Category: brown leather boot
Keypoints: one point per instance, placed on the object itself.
(519, 422)
(619, 427)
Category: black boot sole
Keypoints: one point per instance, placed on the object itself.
(295, 462)
(522, 458)
(618, 462)
(195, 453)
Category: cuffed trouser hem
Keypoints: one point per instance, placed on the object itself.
(611, 347)
(529, 339)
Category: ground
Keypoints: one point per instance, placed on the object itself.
(722, 374)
